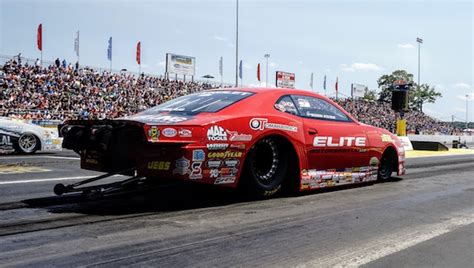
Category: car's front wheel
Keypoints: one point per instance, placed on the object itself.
(265, 168)
(28, 143)
(386, 166)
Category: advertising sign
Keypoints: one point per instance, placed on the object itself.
(284, 79)
(180, 65)
(358, 90)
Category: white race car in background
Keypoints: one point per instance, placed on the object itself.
(16, 135)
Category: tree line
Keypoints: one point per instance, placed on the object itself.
(417, 96)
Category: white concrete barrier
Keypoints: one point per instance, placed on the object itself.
(444, 139)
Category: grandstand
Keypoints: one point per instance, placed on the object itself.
(58, 92)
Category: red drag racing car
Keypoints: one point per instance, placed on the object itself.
(261, 139)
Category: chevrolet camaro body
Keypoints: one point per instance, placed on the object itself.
(16, 135)
(263, 138)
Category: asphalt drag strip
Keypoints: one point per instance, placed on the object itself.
(383, 224)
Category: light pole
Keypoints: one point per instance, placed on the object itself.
(266, 71)
(237, 45)
(419, 41)
(467, 113)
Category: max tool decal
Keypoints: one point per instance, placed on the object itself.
(216, 133)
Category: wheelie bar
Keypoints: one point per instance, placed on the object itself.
(60, 189)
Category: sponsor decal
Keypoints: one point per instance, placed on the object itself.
(214, 163)
(199, 155)
(238, 146)
(262, 123)
(216, 133)
(92, 161)
(305, 175)
(159, 165)
(217, 146)
(160, 118)
(182, 166)
(235, 136)
(324, 178)
(304, 103)
(196, 171)
(258, 123)
(374, 161)
(5, 140)
(323, 141)
(325, 116)
(386, 138)
(226, 154)
(185, 133)
(225, 180)
(169, 132)
(279, 107)
(232, 163)
(214, 173)
(228, 171)
(154, 133)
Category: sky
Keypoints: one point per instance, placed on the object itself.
(356, 41)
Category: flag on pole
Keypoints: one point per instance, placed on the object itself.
(221, 66)
(240, 69)
(139, 48)
(258, 72)
(337, 84)
(39, 37)
(311, 80)
(324, 83)
(76, 44)
(109, 50)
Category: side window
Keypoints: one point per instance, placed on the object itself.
(286, 104)
(318, 109)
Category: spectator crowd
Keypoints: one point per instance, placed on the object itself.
(61, 91)
(381, 115)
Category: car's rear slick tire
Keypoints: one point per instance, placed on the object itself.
(265, 169)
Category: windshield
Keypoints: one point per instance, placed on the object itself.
(209, 101)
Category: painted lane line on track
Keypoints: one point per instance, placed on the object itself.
(383, 246)
(52, 179)
(45, 180)
(39, 157)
